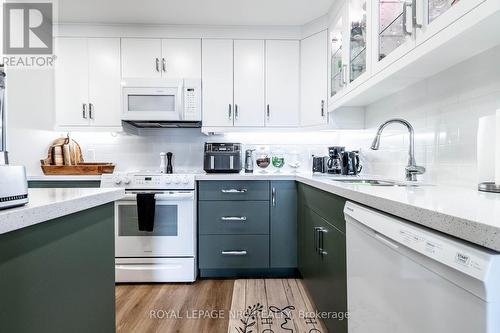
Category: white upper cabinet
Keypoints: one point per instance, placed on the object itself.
(181, 58)
(156, 58)
(249, 83)
(338, 46)
(314, 79)
(282, 83)
(393, 34)
(71, 82)
(432, 16)
(359, 19)
(217, 78)
(104, 82)
(141, 58)
(87, 83)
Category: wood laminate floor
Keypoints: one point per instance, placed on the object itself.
(216, 306)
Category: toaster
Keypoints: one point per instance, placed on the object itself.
(222, 158)
(13, 186)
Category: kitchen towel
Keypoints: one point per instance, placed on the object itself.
(146, 204)
(497, 149)
(486, 137)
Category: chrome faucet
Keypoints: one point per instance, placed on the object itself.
(412, 169)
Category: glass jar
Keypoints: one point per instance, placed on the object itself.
(263, 160)
(278, 160)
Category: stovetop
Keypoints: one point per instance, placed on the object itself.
(149, 180)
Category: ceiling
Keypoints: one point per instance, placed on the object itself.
(194, 12)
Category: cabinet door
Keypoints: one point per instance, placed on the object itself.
(392, 38)
(432, 16)
(282, 83)
(283, 224)
(181, 58)
(308, 259)
(72, 83)
(104, 82)
(338, 46)
(248, 83)
(359, 44)
(314, 79)
(217, 76)
(332, 275)
(141, 58)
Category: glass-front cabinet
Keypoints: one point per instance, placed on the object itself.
(394, 31)
(349, 46)
(432, 16)
(400, 25)
(358, 38)
(337, 49)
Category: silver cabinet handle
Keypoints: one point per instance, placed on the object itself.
(84, 111)
(230, 113)
(344, 75)
(273, 196)
(321, 241)
(234, 253)
(157, 64)
(91, 111)
(235, 111)
(164, 64)
(233, 190)
(234, 218)
(322, 108)
(268, 112)
(414, 15)
(316, 239)
(405, 17)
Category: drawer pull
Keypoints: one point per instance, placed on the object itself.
(243, 190)
(234, 218)
(234, 253)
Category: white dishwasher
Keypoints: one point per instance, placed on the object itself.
(402, 278)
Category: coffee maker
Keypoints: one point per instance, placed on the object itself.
(351, 165)
(334, 162)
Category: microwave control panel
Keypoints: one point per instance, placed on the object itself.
(192, 102)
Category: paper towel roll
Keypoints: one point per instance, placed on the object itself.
(497, 149)
(486, 148)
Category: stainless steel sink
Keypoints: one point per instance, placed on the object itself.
(376, 182)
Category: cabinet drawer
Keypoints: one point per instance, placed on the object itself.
(234, 190)
(233, 217)
(229, 251)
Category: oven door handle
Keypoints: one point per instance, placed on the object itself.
(162, 196)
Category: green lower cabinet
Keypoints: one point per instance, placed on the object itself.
(250, 231)
(64, 184)
(322, 254)
(59, 275)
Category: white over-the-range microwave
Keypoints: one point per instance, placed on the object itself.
(162, 102)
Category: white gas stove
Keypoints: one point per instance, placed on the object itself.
(168, 252)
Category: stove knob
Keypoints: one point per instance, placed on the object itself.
(126, 180)
(185, 180)
(177, 180)
(117, 180)
(168, 180)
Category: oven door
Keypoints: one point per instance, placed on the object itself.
(152, 103)
(174, 227)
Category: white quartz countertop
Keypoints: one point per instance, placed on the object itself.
(461, 212)
(49, 203)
